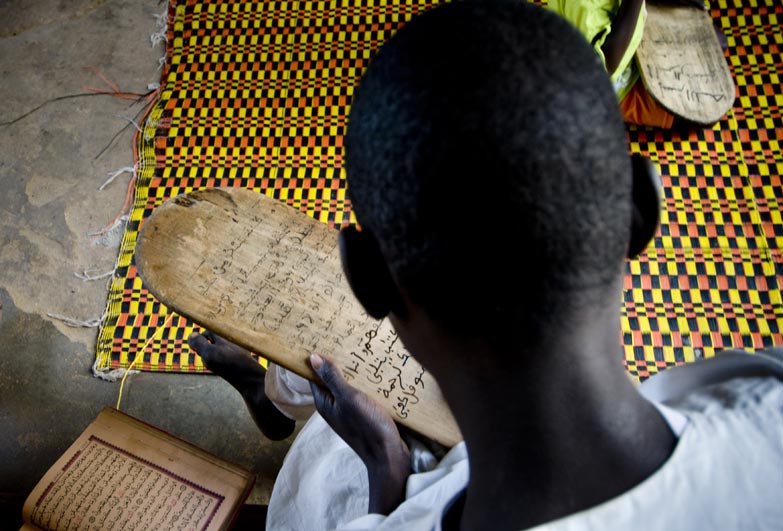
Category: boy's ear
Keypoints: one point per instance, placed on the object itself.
(647, 192)
(367, 272)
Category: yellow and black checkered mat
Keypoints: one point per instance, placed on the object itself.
(256, 94)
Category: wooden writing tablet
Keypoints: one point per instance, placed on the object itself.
(267, 277)
(682, 64)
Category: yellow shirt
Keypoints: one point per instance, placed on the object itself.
(593, 18)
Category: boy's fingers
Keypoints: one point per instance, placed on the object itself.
(329, 373)
(323, 400)
(216, 339)
(199, 343)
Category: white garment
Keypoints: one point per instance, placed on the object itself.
(725, 473)
(289, 392)
(322, 483)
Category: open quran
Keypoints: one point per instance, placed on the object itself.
(124, 474)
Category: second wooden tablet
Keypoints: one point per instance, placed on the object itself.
(682, 64)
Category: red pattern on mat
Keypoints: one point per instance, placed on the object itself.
(256, 95)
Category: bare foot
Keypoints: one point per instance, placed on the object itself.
(235, 365)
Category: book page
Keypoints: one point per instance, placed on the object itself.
(123, 474)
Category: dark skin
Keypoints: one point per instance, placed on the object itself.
(361, 423)
(619, 38)
(368, 430)
(580, 434)
(577, 421)
(235, 365)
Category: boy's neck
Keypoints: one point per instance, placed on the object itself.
(537, 462)
(555, 435)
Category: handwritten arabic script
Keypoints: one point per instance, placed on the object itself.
(105, 488)
(281, 276)
(683, 66)
(381, 361)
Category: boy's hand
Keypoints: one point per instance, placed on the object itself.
(368, 430)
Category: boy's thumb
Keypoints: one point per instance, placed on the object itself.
(328, 373)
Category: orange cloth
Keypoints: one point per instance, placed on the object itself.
(640, 108)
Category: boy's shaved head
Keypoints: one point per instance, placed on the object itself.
(484, 129)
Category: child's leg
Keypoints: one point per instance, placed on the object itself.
(235, 365)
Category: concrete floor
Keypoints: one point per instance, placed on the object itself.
(51, 165)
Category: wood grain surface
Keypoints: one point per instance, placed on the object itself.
(267, 277)
(682, 64)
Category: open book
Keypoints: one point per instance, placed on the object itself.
(124, 474)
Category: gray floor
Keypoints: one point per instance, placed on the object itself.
(52, 163)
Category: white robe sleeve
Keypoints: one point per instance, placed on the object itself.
(289, 392)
